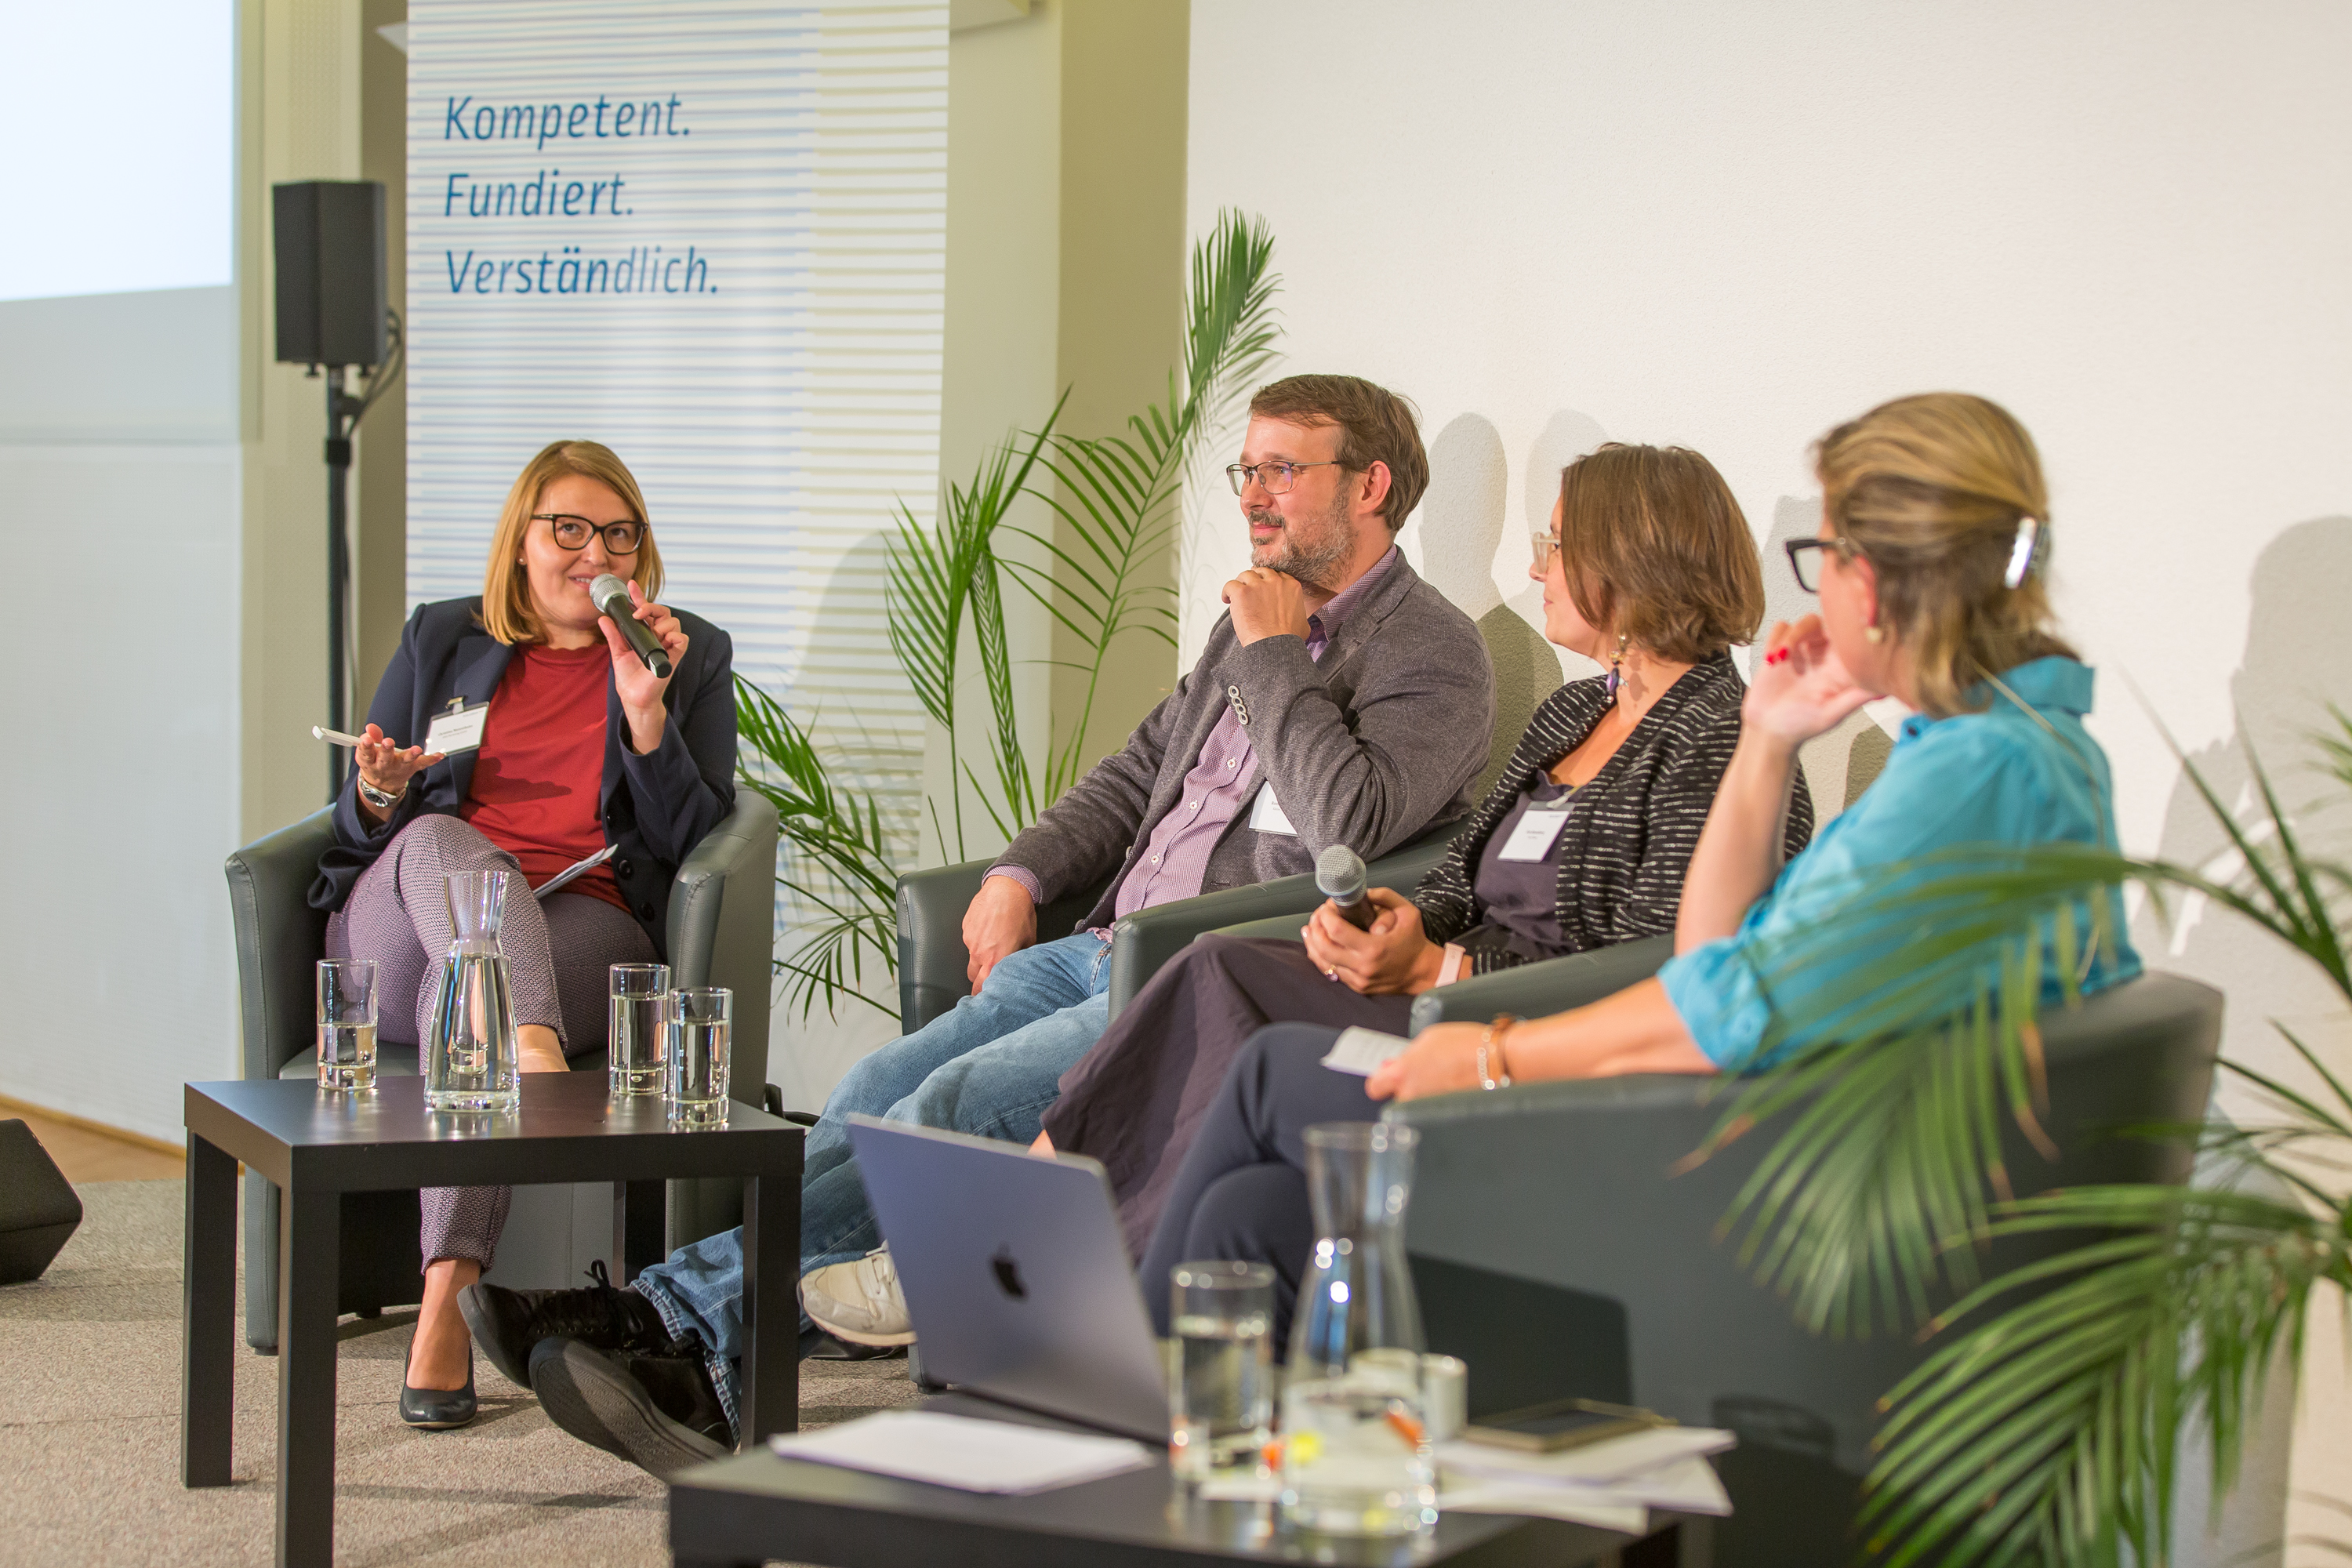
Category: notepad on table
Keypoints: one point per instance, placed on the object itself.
(965, 1453)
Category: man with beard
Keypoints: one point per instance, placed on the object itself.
(1340, 700)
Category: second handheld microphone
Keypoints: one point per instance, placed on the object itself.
(610, 596)
(1340, 876)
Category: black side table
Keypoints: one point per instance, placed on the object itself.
(739, 1513)
(316, 1147)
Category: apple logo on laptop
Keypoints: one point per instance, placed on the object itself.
(1008, 1273)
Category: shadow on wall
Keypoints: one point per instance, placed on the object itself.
(1857, 748)
(2297, 660)
(1461, 526)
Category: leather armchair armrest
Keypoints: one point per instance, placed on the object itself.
(1550, 985)
(932, 958)
(1150, 937)
(721, 929)
(278, 938)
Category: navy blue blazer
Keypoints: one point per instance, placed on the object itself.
(656, 808)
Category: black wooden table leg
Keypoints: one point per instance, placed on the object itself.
(309, 1254)
(771, 1245)
(209, 1273)
(637, 1229)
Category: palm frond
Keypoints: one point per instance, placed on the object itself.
(837, 856)
(1116, 495)
(2047, 1432)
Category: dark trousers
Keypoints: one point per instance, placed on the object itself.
(1241, 1192)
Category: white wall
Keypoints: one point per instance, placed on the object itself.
(120, 510)
(1729, 225)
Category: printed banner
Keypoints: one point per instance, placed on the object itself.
(710, 235)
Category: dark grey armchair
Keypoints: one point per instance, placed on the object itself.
(1556, 1250)
(720, 932)
(932, 954)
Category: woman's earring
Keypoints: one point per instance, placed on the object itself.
(1609, 687)
(1874, 632)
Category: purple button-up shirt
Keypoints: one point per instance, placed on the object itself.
(1175, 857)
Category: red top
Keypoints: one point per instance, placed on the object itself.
(541, 765)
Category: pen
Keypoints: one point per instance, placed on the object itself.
(321, 732)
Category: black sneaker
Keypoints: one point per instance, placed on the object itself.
(509, 1324)
(658, 1412)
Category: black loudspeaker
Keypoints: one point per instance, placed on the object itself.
(38, 1210)
(330, 290)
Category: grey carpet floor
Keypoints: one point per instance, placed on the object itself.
(89, 1432)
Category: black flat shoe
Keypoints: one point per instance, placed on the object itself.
(438, 1409)
(509, 1324)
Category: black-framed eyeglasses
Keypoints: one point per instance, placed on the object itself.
(572, 532)
(1275, 478)
(1805, 559)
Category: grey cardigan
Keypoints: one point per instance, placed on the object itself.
(1369, 747)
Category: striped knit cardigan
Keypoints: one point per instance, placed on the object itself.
(1630, 837)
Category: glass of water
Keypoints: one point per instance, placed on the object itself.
(347, 1023)
(1221, 1381)
(640, 1014)
(694, 1087)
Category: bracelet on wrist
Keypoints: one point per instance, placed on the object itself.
(1490, 1047)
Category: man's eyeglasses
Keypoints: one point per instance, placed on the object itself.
(1547, 545)
(1275, 478)
(1805, 559)
(572, 532)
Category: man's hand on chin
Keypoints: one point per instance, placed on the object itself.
(1266, 604)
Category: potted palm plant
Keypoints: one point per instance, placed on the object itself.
(2044, 1425)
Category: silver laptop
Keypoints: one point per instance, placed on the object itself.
(1015, 1278)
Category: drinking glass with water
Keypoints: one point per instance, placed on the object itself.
(1220, 1387)
(695, 1094)
(347, 1024)
(640, 1015)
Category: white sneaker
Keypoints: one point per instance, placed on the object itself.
(859, 1302)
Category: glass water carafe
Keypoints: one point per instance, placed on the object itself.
(471, 1060)
(1355, 1454)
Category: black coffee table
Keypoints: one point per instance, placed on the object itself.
(756, 1507)
(316, 1147)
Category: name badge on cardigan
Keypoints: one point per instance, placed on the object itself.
(459, 730)
(1538, 831)
(1266, 816)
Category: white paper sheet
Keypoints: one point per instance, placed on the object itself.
(572, 872)
(1575, 1505)
(1358, 1051)
(970, 1455)
(1612, 1459)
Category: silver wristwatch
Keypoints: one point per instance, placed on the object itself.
(374, 796)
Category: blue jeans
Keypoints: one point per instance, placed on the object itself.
(989, 1066)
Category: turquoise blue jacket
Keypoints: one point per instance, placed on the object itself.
(1999, 776)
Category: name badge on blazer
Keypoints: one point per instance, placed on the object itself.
(1266, 816)
(1538, 831)
(459, 730)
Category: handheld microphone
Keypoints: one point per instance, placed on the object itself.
(1340, 876)
(610, 596)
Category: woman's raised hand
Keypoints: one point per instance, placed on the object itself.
(388, 766)
(1801, 688)
(640, 689)
(1392, 959)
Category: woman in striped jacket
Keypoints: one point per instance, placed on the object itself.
(1648, 569)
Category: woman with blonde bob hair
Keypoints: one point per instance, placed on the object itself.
(581, 748)
(1935, 522)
